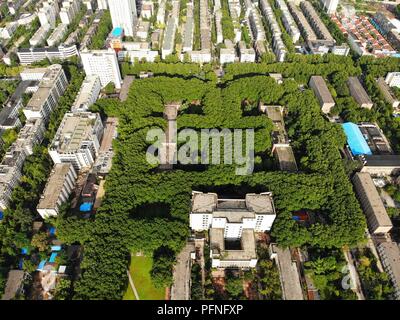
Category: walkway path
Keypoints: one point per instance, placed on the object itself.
(132, 285)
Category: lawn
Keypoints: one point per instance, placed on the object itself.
(129, 295)
(140, 273)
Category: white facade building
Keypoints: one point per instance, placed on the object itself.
(227, 55)
(123, 15)
(58, 188)
(330, 6)
(102, 4)
(8, 30)
(57, 35)
(77, 140)
(69, 10)
(393, 79)
(48, 13)
(232, 221)
(246, 54)
(103, 63)
(45, 99)
(88, 94)
(40, 35)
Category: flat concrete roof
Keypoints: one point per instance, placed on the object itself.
(375, 203)
(248, 244)
(322, 89)
(287, 161)
(54, 185)
(358, 92)
(289, 274)
(232, 209)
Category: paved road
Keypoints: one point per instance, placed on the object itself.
(181, 288)
(354, 275)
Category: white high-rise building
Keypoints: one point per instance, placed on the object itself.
(330, 6)
(123, 15)
(102, 4)
(103, 63)
(69, 10)
(48, 13)
(393, 79)
(77, 140)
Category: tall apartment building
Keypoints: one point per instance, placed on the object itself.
(31, 134)
(169, 37)
(87, 95)
(278, 46)
(104, 64)
(10, 173)
(288, 21)
(319, 27)
(393, 79)
(48, 13)
(123, 15)
(232, 224)
(330, 6)
(102, 4)
(188, 29)
(377, 218)
(69, 10)
(77, 140)
(57, 35)
(14, 5)
(45, 99)
(58, 188)
(321, 91)
(307, 31)
(40, 35)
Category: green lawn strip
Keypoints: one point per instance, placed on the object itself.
(140, 272)
(129, 295)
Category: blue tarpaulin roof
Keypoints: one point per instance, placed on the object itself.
(41, 265)
(85, 207)
(55, 248)
(355, 139)
(21, 264)
(52, 231)
(24, 250)
(1, 215)
(53, 257)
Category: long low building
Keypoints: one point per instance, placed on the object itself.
(358, 93)
(387, 93)
(377, 218)
(57, 191)
(288, 273)
(30, 55)
(318, 84)
(381, 165)
(389, 253)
